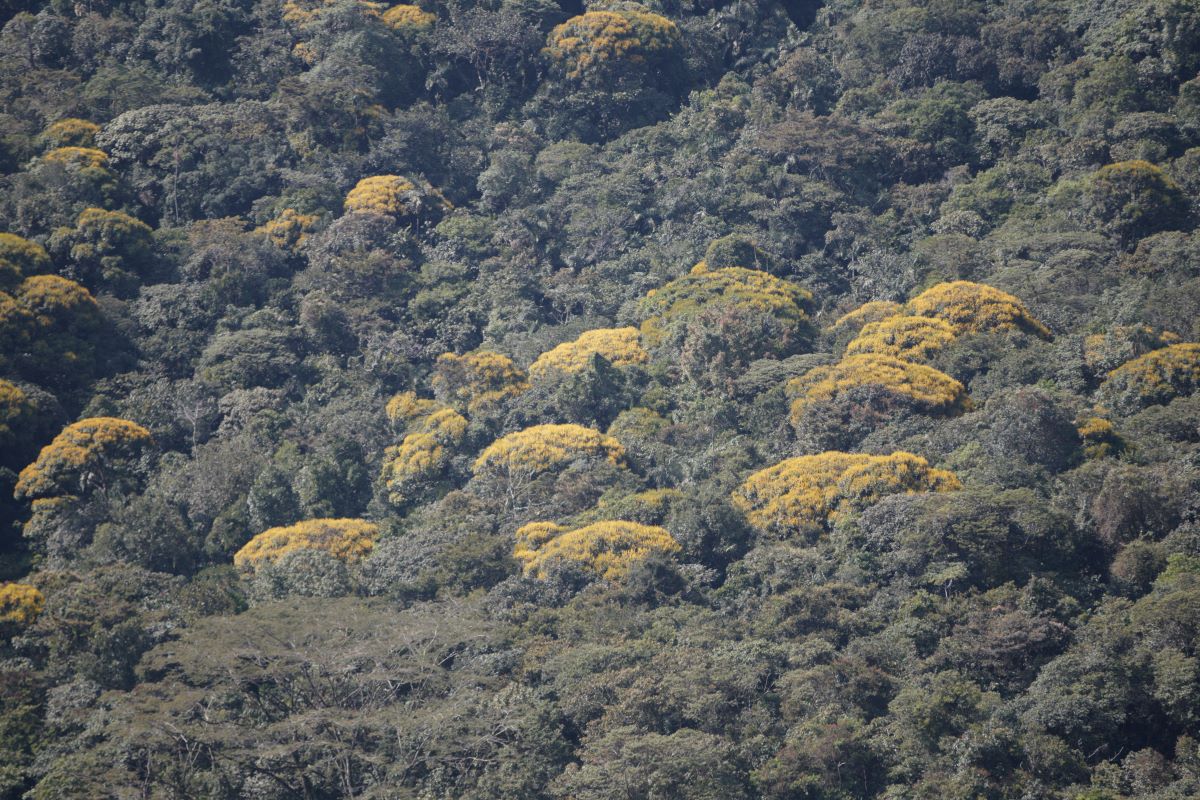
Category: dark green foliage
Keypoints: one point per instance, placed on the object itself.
(713, 190)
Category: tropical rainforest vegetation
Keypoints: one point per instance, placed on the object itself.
(540, 399)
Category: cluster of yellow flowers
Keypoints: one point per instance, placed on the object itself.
(79, 453)
(619, 346)
(346, 539)
(20, 604)
(749, 288)
(1154, 378)
(905, 337)
(607, 549)
(597, 42)
(77, 157)
(923, 387)
(476, 380)
(545, 447)
(290, 229)
(425, 452)
(70, 132)
(409, 18)
(394, 196)
(976, 308)
(807, 494)
(20, 257)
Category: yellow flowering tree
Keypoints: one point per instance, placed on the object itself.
(874, 311)
(619, 346)
(409, 19)
(607, 46)
(395, 196)
(901, 382)
(422, 457)
(546, 447)
(806, 495)
(607, 549)
(81, 158)
(94, 454)
(20, 604)
(1154, 378)
(107, 248)
(715, 319)
(20, 258)
(476, 380)
(290, 229)
(345, 539)
(70, 132)
(50, 330)
(905, 337)
(976, 308)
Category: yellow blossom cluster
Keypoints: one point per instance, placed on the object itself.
(406, 407)
(607, 549)
(737, 286)
(873, 311)
(20, 604)
(425, 452)
(806, 495)
(78, 457)
(976, 308)
(14, 408)
(77, 157)
(20, 258)
(476, 380)
(1100, 438)
(597, 43)
(394, 196)
(346, 539)
(905, 337)
(1155, 378)
(619, 346)
(917, 385)
(70, 132)
(290, 229)
(1104, 352)
(409, 18)
(546, 447)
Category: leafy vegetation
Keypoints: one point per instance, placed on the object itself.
(531, 400)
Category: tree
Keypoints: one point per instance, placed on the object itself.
(805, 496)
(546, 447)
(98, 454)
(107, 249)
(606, 549)
(20, 258)
(618, 346)
(397, 197)
(20, 604)
(421, 459)
(477, 380)
(1154, 379)
(344, 539)
(976, 308)
(906, 338)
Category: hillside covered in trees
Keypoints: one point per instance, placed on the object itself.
(549, 400)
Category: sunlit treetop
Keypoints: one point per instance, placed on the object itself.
(477, 379)
(619, 346)
(345, 539)
(806, 495)
(289, 230)
(916, 385)
(406, 407)
(78, 459)
(748, 288)
(303, 13)
(874, 311)
(1100, 438)
(409, 18)
(20, 604)
(976, 308)
(903, 337)
(20, 258)
(1155, 378)
(545, 447)
(423, 456)
(597, 44)
(394, 196)
(1104, 352)
(53, 298)
(77, 157)
(70, 132)
(15, 410)
(606, 549)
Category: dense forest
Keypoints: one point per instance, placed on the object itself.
(540, 400)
